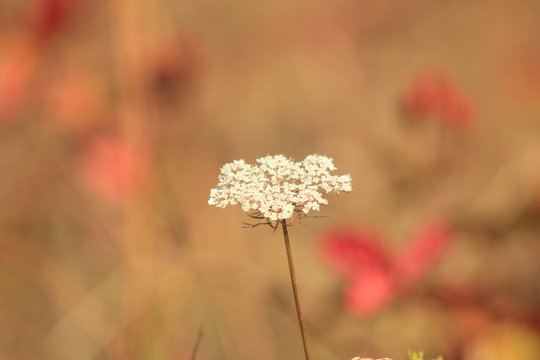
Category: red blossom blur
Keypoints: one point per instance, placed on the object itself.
(50, 17)
(351, 251)
(435, 95)
(425, 248)
(370, 290)
(376, 276)
(74, 100)
(18, 62)
(110, 168)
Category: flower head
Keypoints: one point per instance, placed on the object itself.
(278, 188)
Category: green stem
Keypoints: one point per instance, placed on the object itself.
(294, 288)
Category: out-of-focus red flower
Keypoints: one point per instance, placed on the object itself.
(50, 17)
(426, 95)
(425, 248)
(18, 62)
(375, 275)
(352, 251)
(110, 168)
(435, 95)
(74, 101)
(370, 290)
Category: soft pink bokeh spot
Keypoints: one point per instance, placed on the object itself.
(74, 100)
(18, 61)
(370, 290)
(376, 276)
(351, 251)
(435, 95)
(426, 247)
(110, 168)
(50, 17)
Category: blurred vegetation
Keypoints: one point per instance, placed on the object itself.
(115, 117)
(419, 356)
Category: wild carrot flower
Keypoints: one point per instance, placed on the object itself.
(278, 188)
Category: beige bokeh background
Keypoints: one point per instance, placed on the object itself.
(188, 86)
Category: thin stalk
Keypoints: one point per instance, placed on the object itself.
(197, 343)
(294, 288)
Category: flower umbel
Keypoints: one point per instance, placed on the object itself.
(278, 188)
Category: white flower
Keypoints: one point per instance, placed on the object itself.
(278, 188)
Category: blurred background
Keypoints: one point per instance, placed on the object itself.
(116, 116)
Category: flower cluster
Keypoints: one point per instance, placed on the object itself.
(278, 188)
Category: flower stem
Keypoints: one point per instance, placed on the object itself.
(197, 343)
(294, 288)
